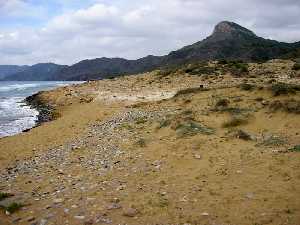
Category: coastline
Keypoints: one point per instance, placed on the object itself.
(46, 111)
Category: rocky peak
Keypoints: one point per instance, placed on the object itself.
(230, 28)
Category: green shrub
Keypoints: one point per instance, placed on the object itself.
(141, 143)
(243, 135)
(296, 148)
(238, 67)
(222, 103)
(222, 62)
(247, 87)
(290, 106)
(296, 66)
(164, 123)
(141, 121)
(190, 91)
(284, 89)
(235, 121)
(273, 140)
(13, 207)
(4, 195)
(191, 128)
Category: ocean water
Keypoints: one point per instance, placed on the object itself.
(15, 115)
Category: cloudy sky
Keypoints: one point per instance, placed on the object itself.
(67, 31)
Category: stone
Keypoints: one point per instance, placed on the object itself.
(197, 156)
(30, 219)
(79, 217)
(58, 200)
(113, 206)
(130, 212)
(43, 222)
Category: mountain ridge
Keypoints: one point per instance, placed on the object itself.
(229, 41)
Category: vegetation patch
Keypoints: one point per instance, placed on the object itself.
(241, 134)
(238, 68)
(191, 128)
(235, 121)
(141, 143)
(199, 69)
(296, 148)
(272, 140)
(12, 208)
(235, 111)
(4, 195)
(284, 89)
(141, 121)
(247, 87)
(290, 106)
(190, 91)
(222, 103)
(296, 66)
(164, 123)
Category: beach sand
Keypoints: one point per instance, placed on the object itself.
(147, 149)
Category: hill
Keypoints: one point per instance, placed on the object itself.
(37, 72)
(228, 41)
(7, 70)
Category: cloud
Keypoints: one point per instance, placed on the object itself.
(12, 9)
(117, 28)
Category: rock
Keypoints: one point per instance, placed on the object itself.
(205, 214)
(30, 219)
(58, 200)
(250, 195)
(43, 222)
(113, 206)
(89, 222)
(130, 212)
(79, 217)
(244, 135)
(66, 211)
(197, 156)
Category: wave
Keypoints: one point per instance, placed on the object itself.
(15, 116)
(17, 87)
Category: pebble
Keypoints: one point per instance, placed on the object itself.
(196, 156)
(250, 195)
(79, 217)
(113, 206)
(58, 200)
(66, 211)
(43, 222)
(30, 219)
(130, 212)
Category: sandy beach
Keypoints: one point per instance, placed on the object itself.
(153, 149)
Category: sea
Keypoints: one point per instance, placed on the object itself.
(15, 115)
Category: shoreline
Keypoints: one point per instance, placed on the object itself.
(45, 110)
